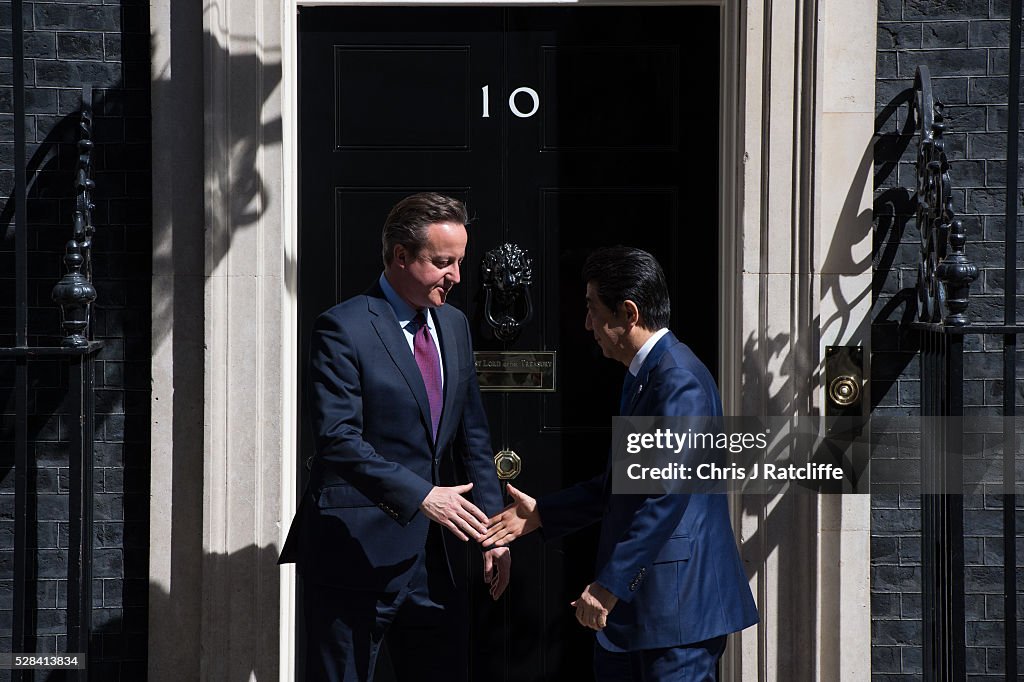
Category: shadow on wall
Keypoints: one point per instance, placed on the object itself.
(121, 261)
(160, 602)
(232, 172)
(781, 372)
(50, 181)
(122, 276)
(208, 156)
(894, 300)
(122, 379)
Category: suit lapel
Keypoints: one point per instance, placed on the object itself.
(386, 325)
(638, 387)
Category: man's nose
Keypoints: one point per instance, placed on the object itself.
(587, 323)
(454, 274)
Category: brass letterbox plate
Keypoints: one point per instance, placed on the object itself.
(514, 371)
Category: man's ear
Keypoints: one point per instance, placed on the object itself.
(400, 255)
(631, 312)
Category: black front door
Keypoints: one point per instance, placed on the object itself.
(563, 129)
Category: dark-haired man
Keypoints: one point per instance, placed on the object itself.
(669, 584)
(393, 388)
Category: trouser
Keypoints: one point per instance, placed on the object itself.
(423, 624)
(692, 663)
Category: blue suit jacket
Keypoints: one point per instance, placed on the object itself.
(358, 525)
(670, 559)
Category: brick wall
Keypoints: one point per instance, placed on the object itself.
(965, 43)
(67, 45)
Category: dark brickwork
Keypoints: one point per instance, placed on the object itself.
(68, 45)
(965, 43)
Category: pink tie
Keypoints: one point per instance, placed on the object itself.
(430, 368)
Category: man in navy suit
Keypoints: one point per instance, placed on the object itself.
(393, 389)
(669, 583)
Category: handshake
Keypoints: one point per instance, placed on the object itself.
(516, 520)
(464, 519)
(448, 507)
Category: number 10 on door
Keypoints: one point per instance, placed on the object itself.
(512, 106)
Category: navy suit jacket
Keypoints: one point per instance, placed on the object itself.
(670, 559)
(358, 525)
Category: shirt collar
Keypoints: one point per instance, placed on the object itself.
(645, 350)
(403, 311)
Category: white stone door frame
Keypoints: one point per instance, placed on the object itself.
(797, 105)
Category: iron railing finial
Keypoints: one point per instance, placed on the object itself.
(944, 273)
(75, 293)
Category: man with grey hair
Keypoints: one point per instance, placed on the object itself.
(392, 389)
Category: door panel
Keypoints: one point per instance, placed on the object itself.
(613, 85)
(622, 148)
(402, 97)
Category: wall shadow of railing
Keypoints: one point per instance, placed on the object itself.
(782, 528)
(160, 601)
(121, 420)
(894, 299)
(893, 306)
(782, 370)
(122, 530)
(246, 189)
(51, 179)
(214, 198)
(50, 183)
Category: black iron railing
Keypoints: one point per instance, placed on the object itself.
(943, 323)
(74, 294)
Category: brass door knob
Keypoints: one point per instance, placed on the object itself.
(507, 465)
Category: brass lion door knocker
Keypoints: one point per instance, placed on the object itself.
(507, 274)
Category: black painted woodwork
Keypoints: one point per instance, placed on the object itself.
(622, 150)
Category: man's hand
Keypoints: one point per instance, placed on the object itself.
(516, 520)
(593, 606)
(497, 570)
(449, 508)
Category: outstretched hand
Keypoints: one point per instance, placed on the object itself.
(449, 508)
(516, 520)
